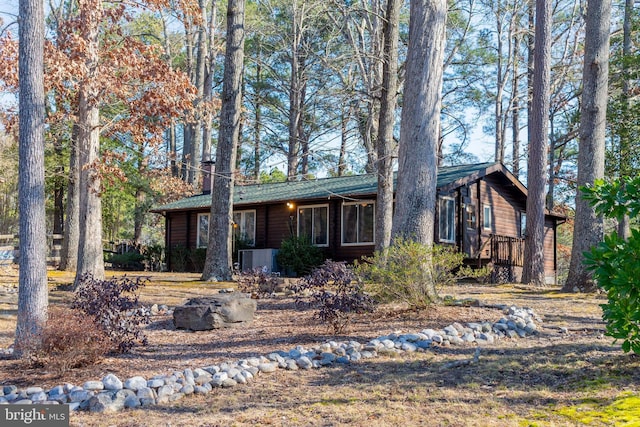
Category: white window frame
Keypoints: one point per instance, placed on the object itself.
(451, 227)
(343, 223)
(242, 224)
(487, 217)
(313, 207)
(200, 241)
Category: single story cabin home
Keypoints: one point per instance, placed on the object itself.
(481, 210)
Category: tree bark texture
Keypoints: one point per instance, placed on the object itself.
(420, 123)
(385, 143)
(32, 291)
(90, 258)
(589, 229)
(69, 255)
(533, 269)
(624, 223)
(218, 260)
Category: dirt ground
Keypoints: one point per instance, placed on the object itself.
(568, 374)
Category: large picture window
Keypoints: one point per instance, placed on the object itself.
(447, 219)
(358, 221)
(313, 222)
(244, 227)
(203, 230)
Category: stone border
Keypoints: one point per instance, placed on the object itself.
(111, 394)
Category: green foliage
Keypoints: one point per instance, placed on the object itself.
(131, 261)
(410, 272)
(614, 199)
(153, 256)
(179, 258)
(298, 255)
(197, 257)
(114, 306)
(8, 185)
(337, 294)
(276, 175)
(615, 267)
(614, 262)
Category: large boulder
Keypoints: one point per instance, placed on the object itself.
(221, 311)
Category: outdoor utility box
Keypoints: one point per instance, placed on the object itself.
(249, 259)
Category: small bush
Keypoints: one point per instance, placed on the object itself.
(131, 261)
(179, 258)
(69, 340)
(337, 294)
(257, 282)
(198, 257)
(114, 306)
(153, 256)
(298, 255)
(399, 273)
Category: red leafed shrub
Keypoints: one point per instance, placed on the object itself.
(114, 306)
(69, 340)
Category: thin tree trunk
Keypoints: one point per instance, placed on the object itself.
(90, 258)
(69, 256)
(218, 260)
(533, 270)
(342, 159)
(32, 280)
(515, 113)
(624, 222)
(295, 99)
(385, 143)
(589, 228)
(208, 85)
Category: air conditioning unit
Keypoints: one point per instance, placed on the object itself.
(249, 259)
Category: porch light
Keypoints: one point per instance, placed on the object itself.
(291, 206)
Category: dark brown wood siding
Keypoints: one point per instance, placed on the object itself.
(276, 221)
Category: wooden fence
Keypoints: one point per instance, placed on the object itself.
(10, 249)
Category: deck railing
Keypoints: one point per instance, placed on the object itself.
(507, 250)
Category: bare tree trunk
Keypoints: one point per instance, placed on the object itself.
(187, 131)
(589, 229)
(533, 270)
(530, 57)
(295, 96)
(196, 127)
(420, 127)
(32, 291)
(218, 261)
(624, 222)
(515, 113)
(172, 151)
(90, 259)
(257, 127)
(69, 255)
(385, 143)
(342, 159)
(208, 84)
